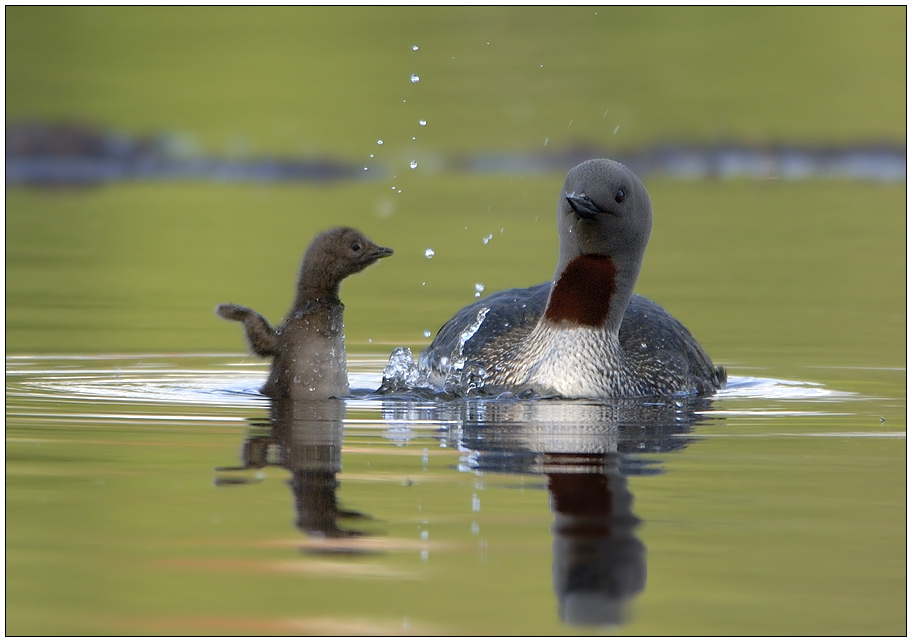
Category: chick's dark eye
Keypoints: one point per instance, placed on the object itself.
(356, 247)
(620, 195)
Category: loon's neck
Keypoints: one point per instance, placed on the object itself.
(592, 291)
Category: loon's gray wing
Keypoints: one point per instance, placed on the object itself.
(503, 319)
(650, 334)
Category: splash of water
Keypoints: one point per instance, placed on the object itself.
(402, 373)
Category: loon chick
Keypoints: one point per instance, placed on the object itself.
(308, 351)
(585, 334)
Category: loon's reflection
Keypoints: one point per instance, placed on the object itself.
(585, 450)
(306, 438)
(599, 562)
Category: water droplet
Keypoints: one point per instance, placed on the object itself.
(413, 164)
(484, 239)
(399, 191)
(546, 142)
(616, 129)
(393, 187)
(570, 123)
(372, 155)
(380, 142)
(479, 287)
(414, 79)
(424, 283)
(370, 340)
(422, 122)
(427, 334)
(424, 556)
(476, 503)
(414, 47)
(429, 253)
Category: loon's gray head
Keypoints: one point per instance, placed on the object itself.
(334, 255)
(604, 217)
(603, 209)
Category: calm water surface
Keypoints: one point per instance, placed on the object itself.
(159, 494)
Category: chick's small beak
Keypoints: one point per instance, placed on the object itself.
(582, 205)
(381, 252)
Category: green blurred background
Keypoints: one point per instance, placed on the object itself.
(333, 79)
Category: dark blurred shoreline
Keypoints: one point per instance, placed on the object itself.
(75, 154)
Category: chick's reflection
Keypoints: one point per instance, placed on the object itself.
(304, 437)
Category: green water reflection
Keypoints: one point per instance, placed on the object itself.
(767, 515)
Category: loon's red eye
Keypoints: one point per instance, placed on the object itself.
(620, 196)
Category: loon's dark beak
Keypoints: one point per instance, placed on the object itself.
(583, 205)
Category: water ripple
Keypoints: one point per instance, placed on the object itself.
(765, 388)
(234, 381)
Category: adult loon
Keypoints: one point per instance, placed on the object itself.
(585, 334)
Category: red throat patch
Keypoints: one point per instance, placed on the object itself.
(583, 292)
